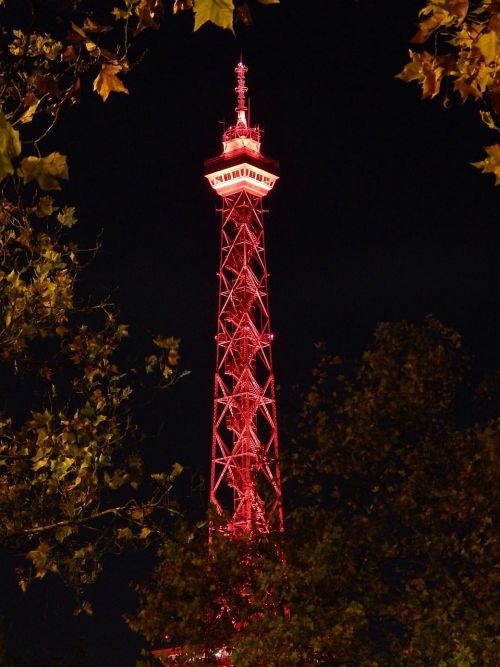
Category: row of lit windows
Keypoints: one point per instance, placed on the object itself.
(242, 172)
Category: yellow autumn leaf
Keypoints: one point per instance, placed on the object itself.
(45, 207)
(10, 146)
(489, 44)
(219, 12)
(427, 70)
(147, 11)
(124, 534)
(491, 164)
(487, 119)
(46, 171)
(67, 216)
(177, 468)
(107, 82)
(42, 463)
(121, 14)
(27, 116)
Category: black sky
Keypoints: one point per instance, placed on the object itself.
(378, 214)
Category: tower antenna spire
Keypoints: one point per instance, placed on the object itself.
(241, 91)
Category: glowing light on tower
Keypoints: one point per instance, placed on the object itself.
(245, 484)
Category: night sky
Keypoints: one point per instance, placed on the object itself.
(377, 216)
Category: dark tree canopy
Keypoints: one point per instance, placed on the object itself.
(390, 545)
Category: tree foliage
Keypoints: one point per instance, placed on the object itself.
(391, 551)
(457, 48)
(70, 470)
(222, 13)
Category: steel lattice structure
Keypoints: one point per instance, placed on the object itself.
(245, 484)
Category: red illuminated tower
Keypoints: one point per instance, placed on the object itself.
(245, 487)
(245, 484)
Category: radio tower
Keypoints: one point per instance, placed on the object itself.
(245, 484)
(245, 487)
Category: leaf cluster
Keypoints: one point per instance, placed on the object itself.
(464, 57)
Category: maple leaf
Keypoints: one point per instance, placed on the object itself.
(427, 70)
(427, 27)
(491, 164)
(45, 170)
(219, 12)
(146, 12)
(45, 207)
(107, 82)
(441, 14)
(67, 216)
(488, 44)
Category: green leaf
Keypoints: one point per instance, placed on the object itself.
(46, 171)
(10, 147)
(219, 12)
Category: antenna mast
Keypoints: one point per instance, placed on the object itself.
(241, 91)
